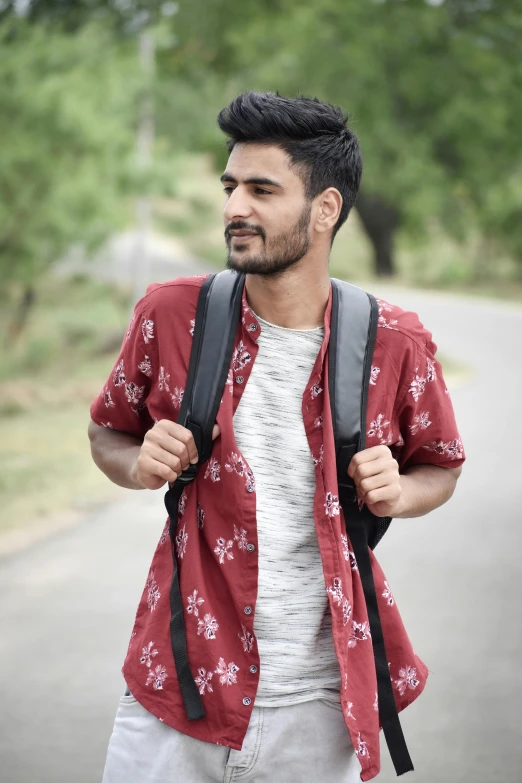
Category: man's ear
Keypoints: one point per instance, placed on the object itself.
(329, 205)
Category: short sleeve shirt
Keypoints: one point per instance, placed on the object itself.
(408, 409)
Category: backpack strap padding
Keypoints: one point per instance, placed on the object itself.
(353, 332)
(217, 317)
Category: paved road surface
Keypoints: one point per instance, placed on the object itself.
(67, 605)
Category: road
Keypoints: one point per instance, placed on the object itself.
(67, 604)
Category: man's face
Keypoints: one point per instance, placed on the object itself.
(266, 215)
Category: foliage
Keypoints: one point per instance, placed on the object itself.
(67, 119)
(434, 91)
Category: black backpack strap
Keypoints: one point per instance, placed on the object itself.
(217, 316)
(352, 340)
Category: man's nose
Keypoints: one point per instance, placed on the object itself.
(237, 206)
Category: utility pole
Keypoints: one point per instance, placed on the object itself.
(144, 145)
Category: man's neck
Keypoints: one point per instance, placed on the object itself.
(296, 300)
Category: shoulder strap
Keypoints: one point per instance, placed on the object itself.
(352, 341)
(217, 317)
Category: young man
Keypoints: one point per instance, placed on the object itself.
(276, 622)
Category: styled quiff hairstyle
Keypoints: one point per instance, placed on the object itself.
(314, 135)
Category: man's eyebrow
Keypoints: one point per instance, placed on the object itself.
(252, 180)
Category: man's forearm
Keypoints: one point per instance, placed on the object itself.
(115, 453)
(424, 488)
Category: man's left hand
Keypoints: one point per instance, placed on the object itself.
(376, 477)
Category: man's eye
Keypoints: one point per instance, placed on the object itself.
(228, 190)
(261, 192)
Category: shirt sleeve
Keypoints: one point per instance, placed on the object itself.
(122, 402)
(426, 417)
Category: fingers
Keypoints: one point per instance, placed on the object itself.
(167, 450)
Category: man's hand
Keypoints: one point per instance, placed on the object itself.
(167, 450)
(376, 477)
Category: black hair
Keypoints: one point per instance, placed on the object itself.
(314, 135)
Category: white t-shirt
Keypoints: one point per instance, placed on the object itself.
(293, 624)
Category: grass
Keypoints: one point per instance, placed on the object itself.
(48, 381)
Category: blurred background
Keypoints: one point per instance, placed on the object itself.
(109, 179)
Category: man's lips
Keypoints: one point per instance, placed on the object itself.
(243, 234)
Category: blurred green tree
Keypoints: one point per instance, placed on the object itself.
(433, 89)
(67, 122)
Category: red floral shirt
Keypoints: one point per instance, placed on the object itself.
(216, 543)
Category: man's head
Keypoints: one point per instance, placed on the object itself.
(291, 179)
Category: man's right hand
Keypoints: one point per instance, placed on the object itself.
(167, 450)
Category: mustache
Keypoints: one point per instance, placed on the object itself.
(240, 225)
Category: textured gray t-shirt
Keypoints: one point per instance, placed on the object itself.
(293, 622)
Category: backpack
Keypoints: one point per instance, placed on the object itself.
(352, 339)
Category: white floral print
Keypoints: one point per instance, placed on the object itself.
(362, 747)
(194, 602)
(247, 638)
(134, 394)
(163, 380)
(318, 421)
(145, 367)
(177, 396)
(453, 449)
(319, 459)
(359, 633)
(235, 464)
(347, 611)
(420, 422)
(417, 387)
(192, 326)
(348, 710)
(336, 590)
(201, 517)
(376, 702)
(240, 535)
(213, 470)
(203, 681)
(331, 505)
(109, 403)
(153, 592)
(147, 654)
(182, 503)
(119, 374)
(315, 391)
(227, 672)
(181, 543)
(431, 374)
(377, 426)
(208, 627)
(407, 679)
(384, 324)
(374, 374)
(240, 357)
(347, 553)
(157, 677)
(223, 550)
(147, 330)
(388, 595)
(230, 381)
(250, 481)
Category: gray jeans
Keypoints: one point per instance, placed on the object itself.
(303, 743)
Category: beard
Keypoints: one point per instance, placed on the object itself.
(278, 254)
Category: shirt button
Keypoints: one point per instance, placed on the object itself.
(247, 701)
(250, 547)
(247, 610)
(253, 669)
(239, 379)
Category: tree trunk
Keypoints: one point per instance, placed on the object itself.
(380, 221)
(21, 314)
